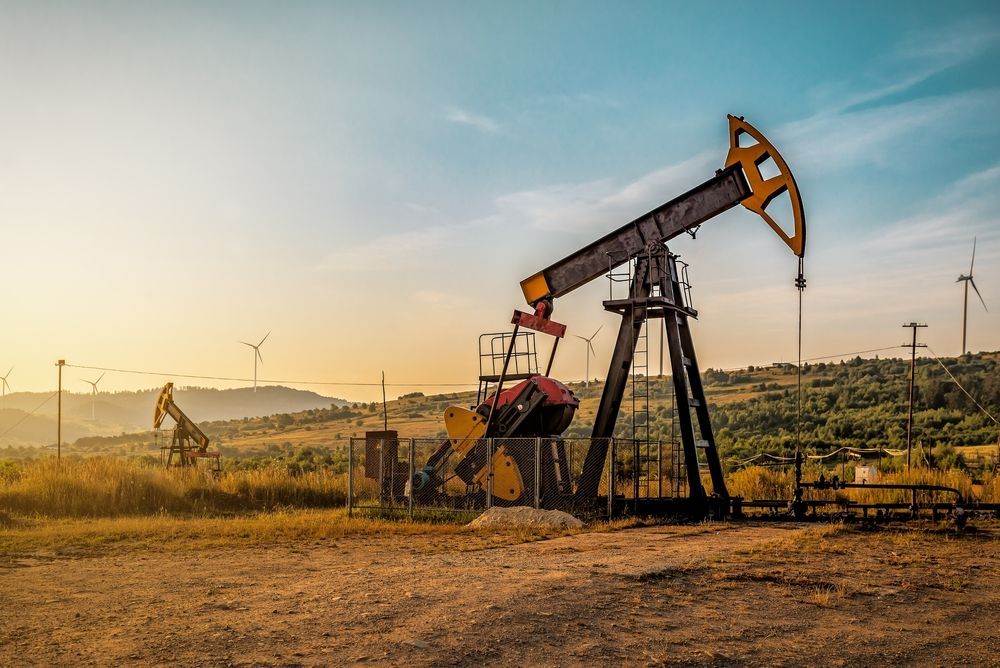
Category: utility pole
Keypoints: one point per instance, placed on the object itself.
(59, 364)
(913, 345)
(385, 410)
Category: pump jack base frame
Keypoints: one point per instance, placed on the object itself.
(656, 292)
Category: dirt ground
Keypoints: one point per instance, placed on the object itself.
(764, 594)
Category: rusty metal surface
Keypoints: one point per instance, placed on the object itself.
(718, 194)
(539, 324)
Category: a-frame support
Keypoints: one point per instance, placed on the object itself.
(690, 393)
(657, 267)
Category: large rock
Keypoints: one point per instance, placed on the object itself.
(525, 516)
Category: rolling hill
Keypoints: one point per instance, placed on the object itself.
(123, 412)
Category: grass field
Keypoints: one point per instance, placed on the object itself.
(117, 487)
(756, 482)
(110, 487)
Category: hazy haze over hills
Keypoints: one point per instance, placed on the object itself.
(133, 411)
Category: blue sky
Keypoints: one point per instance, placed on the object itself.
(372, 180)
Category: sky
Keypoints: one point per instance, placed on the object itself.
(370, 181)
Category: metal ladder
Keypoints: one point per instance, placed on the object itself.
(640, 408)
(699, 449)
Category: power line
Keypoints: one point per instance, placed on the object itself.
(28, 415)
(857, 352)
(262, 380)
(142, 372)
(986, 412)
(826, 357)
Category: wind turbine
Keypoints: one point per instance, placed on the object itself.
(93, 395)
(4, 386)
(590, 349)
(256, 356)
(967, 279)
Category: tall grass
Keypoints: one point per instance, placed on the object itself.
(761, 482)
(113, 487)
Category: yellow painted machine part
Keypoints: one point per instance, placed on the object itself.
(535, 288)
(464, 429)
(160, 412)
(507, 483)
(764, 190)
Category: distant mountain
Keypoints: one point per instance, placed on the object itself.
(118, 412)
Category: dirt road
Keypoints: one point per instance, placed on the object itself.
(725, 595)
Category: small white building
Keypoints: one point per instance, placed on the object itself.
(865, 474)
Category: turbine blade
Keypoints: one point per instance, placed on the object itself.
(248, 344)
(99, 378)
(264, 339)
(258, 355)
(595, 333)
(973, 263)
(582, 338)
(977, 293)
(8, 371)
(592, 348)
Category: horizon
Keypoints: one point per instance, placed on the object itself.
(399, 389)
(181, 178)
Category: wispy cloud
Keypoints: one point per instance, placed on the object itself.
(480, 122)
(604, 204)
(954, 43)
(422, 209)
(846, 138)
(968, 207)
(910, 63)
(389, 252)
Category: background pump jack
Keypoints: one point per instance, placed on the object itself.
(188, 442)
(544, 407)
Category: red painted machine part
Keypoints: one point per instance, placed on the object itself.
(556, 394)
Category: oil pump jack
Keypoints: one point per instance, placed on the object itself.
(543, 407)
(188, 441)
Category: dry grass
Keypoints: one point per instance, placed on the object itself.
(989, 490)
(163, 531)
(761, 482)
(299, 528)
(111, 487)
(115, 487)
(827, 596)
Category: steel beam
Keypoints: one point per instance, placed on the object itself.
(722, 192)
(614, 386)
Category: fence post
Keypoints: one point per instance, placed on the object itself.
(350, 476)
(659, 468)
(636, 472)
(410, 480)
(381, 472)
(538, 472)
(489, 473)
(611, 477)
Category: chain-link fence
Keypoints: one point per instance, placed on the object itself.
(581, 475)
